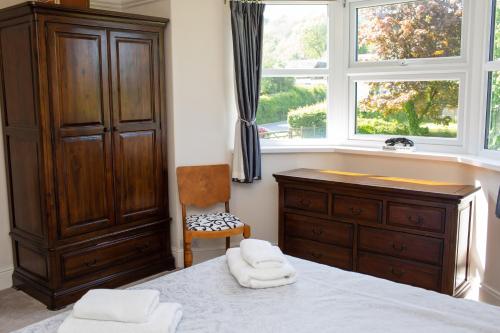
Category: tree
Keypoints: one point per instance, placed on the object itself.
(419, 29)
(314, 40)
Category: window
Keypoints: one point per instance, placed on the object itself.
(407, 108)
(492, 141)
(409, 30)
(411, 39)
(357, 72)
(294, 88)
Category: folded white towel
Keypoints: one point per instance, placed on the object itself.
(261, 254)
(260, 278)
(163, 320)
(128, 306)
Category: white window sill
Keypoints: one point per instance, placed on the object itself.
(477, 161)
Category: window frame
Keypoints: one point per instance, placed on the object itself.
(304, 72)
(425, 68)
(489, 66)
(341, 71)
(421, 140)
(354, 5)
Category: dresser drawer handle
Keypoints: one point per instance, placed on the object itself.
(398, 248)
(356, 211)
(317, 231)
(92, 263)
(419, 220)
(305, 203)
(316, 255)
(398, 272)
(142, 248)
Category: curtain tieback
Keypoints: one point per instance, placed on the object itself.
(248, 123)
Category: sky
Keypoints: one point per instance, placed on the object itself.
(294, 11)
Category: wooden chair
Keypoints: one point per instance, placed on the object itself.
(204, 187)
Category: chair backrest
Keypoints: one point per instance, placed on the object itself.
(204, 186)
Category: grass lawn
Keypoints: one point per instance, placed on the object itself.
(392, 127)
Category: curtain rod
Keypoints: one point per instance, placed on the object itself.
(343, 1)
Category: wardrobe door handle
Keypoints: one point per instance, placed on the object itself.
(105, 129)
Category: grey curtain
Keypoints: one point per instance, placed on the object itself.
(247, 21)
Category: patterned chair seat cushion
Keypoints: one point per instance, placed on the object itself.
(213, 222)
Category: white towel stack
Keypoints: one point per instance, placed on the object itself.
(122, 311)
(257, 264)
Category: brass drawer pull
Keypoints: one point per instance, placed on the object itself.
(356, 211)
(142, 248)
(92, 263)
(305, 203)
(419, 220)
(399, 248)
(317, 231)
(398, 272)
(316, 255)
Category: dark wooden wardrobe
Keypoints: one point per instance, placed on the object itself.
(83, 115)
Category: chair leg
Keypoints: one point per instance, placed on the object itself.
(228, 242)
(246, 231)
(188, 254)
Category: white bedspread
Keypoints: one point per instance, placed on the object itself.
(324, 299)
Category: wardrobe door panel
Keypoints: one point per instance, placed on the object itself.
(135, 85)
(80, 100)
(135, 80)
(83, 174)
(138, 174)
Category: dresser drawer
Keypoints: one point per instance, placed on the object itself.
(318, 230)
(357, 209)
(419, 275)
(75, 264)
(318, 252)
(312, 201)
(416, 217)
(401, 245)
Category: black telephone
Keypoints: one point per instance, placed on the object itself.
(498, 204)
(400, 141)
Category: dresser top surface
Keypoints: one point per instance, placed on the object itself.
(438, 188)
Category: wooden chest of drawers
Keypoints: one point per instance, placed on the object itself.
(410, 231)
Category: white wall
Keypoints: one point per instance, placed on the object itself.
(6, 266)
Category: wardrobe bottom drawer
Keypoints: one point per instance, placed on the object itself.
(402, 271)
(112, 257)
(318, 252)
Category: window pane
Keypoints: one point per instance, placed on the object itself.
(292, 108)
(495, 48)
(493, 134)
(295, 36)
(412, 108)
(409, 30)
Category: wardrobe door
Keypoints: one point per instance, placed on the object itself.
(78, 69)
(135, 72)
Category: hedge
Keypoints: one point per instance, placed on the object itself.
(308, 116)
(274, 108)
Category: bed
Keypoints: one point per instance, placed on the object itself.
(324, 299)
